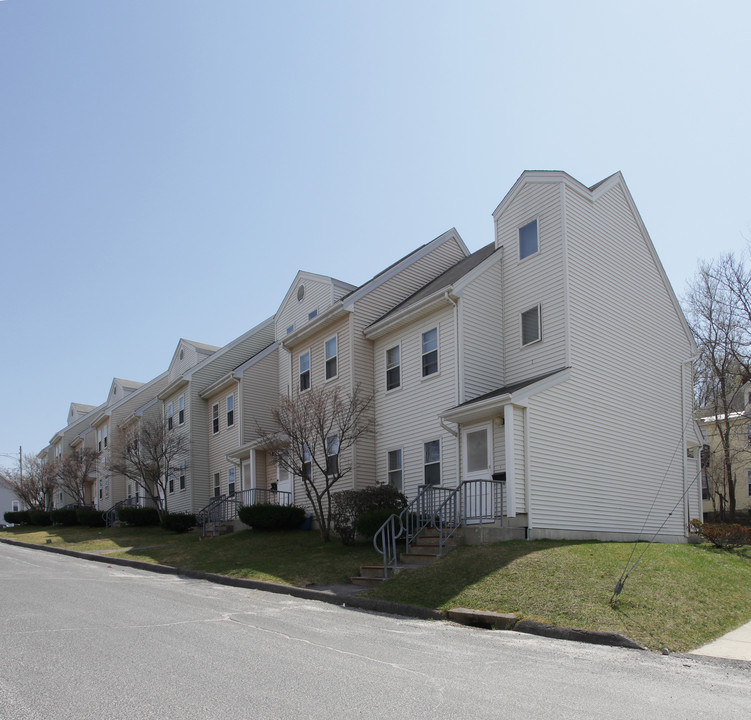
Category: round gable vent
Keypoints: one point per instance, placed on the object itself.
(301, 292)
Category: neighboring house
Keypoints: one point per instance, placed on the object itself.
(65, 442)
(712, 422)
(330, 349)
(8, 503)
(193, 370)
(560, 362)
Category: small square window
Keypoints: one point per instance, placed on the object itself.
(312, 314)
(528, 240)
(531, 326)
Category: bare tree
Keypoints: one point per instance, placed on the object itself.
(718, 313)
(317, 430)
(76, 471)
(148, 454)
(34, 484)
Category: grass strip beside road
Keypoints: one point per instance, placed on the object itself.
(679, 596)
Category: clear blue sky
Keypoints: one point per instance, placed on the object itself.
(167, 166)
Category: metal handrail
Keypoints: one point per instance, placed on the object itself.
(445, 510)
(410, 526)
(263, 496)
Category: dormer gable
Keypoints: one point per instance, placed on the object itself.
(188, 354)
(120, 389)
(78, 410)
(308, 296)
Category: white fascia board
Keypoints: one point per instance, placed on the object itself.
(238, 371)
(400, 266)
(226, 348)
(221, 384)
(328, 316)
(429, 303)
(487, 408)
(473, 274)
(173, 387)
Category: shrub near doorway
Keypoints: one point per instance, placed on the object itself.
(272, 517)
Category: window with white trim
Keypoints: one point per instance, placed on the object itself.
(171, 481)
(330, 350)
(181, 410)
(395, 469)
(332, 455)
(217, 484)
(104, 436)
(230, 410)
(170, 412)
(99, 441)
(231, 481)
(528, 244)
(15, 506)
(432, 456)
(531, 326)
(304, 366)
(430, 352)
(215, 418)
(307, 463)
(182, 476)
(393, 367)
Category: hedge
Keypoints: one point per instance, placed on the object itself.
(39, 517)
(178, 522)
(64, 517)
(17, 517)
(138, 516)
(265, 516)
(90, 517)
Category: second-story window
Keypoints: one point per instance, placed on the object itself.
(170, 413)
(99, 441)
(531, 331)
(331, 353)
(215, 418)
(230, 410)
(182, 476)
(528, 240)
(332, 455)
(181, 410)
(430, 352)
(104, 436)
(393, 368)
(307, 463)
(305, 371)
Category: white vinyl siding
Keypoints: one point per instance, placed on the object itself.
(481, 339)
(409, 418)
(626, 341)
(537, 279)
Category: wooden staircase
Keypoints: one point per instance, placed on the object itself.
(423, 550)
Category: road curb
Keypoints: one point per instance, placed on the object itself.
(531, 627)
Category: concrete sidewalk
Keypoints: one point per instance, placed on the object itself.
(736, 645)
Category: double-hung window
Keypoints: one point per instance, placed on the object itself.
(104, 436)
(172, 481)
(307, 464)
(182, 476)
(430, 352)
(215, 418)
(393, 368)
(531, 326)
(181, 410)
(230, 410)
(99, 440)
(332, 455)
(331, 364)
(395, 469)
(528, 244)
(170, 412)
(217, 484)
(432, 462)
(231, 481)
(305, 371)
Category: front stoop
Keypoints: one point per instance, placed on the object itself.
(223, 529)
(423, 551)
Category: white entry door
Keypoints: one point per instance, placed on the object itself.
(284, 484)
(478, 463)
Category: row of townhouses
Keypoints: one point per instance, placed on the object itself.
(556, 359)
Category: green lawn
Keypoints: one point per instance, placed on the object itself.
(679, 596)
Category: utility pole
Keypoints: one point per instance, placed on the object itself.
(20, 461)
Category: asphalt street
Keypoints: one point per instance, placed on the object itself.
(86, 640)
